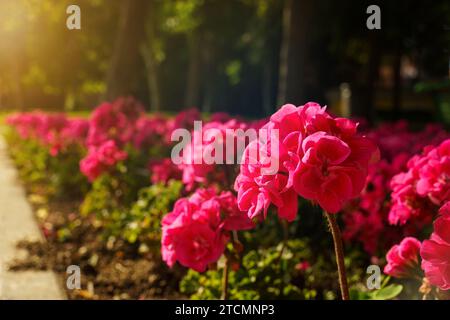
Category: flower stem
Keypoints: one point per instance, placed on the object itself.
(285, 227)
(339, 252)
(225, 279)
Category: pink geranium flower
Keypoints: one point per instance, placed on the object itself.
(101, 159)
(190, 241)
(114, 121)
(150, 131)
(324, 175)
(54, 131)
(418, 192)
(321, 158)
(196, 165)
(368, 219)
(163, 170)
(435, 252)
(196, 231)
(403, 259)
(434, 176)
(257, 191)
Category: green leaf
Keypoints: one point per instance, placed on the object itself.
(387, 293)
(355, 294)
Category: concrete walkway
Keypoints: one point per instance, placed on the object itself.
(16, 223)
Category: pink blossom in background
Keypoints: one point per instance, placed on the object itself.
(104, 124)
(396, 138)
(434, 176)
(77, 130)
(418, 192)
(368, 228)
(403, 259)
(445, 209)
(163, 170)
(365, 218)
(184, 120)
(114, 121)
(74, 133)
(303, 266)
(100, 159)
(214, 136)
(369, 218)
(109, 154)
(150, 131)
(54, 131)
(91, 167)
(321, 158)
(435, 252)
(221, 117)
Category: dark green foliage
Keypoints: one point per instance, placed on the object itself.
(272, 273)
(143, 220)
(58, 175)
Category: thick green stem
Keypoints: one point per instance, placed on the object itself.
(339, 252)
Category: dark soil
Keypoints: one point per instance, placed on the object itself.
(109, 269)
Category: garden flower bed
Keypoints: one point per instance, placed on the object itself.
(110, 198)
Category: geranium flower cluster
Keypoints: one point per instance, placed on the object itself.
(150, 131)
(404, 259)
(76, 131)
(115, 126)
(114, 121)
(100, 159)
(54, 131)
(423, 187)
(37, 125)
(366, 218)
(196, 231)
(320, 158)
(398, 138)
(435, 252)
(163, 170)
(417, 195)
(199, 158)
(121, 126)
(185, 119)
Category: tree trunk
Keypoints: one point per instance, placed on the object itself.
(123, 75)
(374, 67)
(295, 45)
(151, 65)
(397, 89)
(267, 88)
(365, 107)
(152, 77)
(284, 52)
(191, 98)
(17, 92)
(209, 73)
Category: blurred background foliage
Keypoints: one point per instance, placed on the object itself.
(241, 56)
